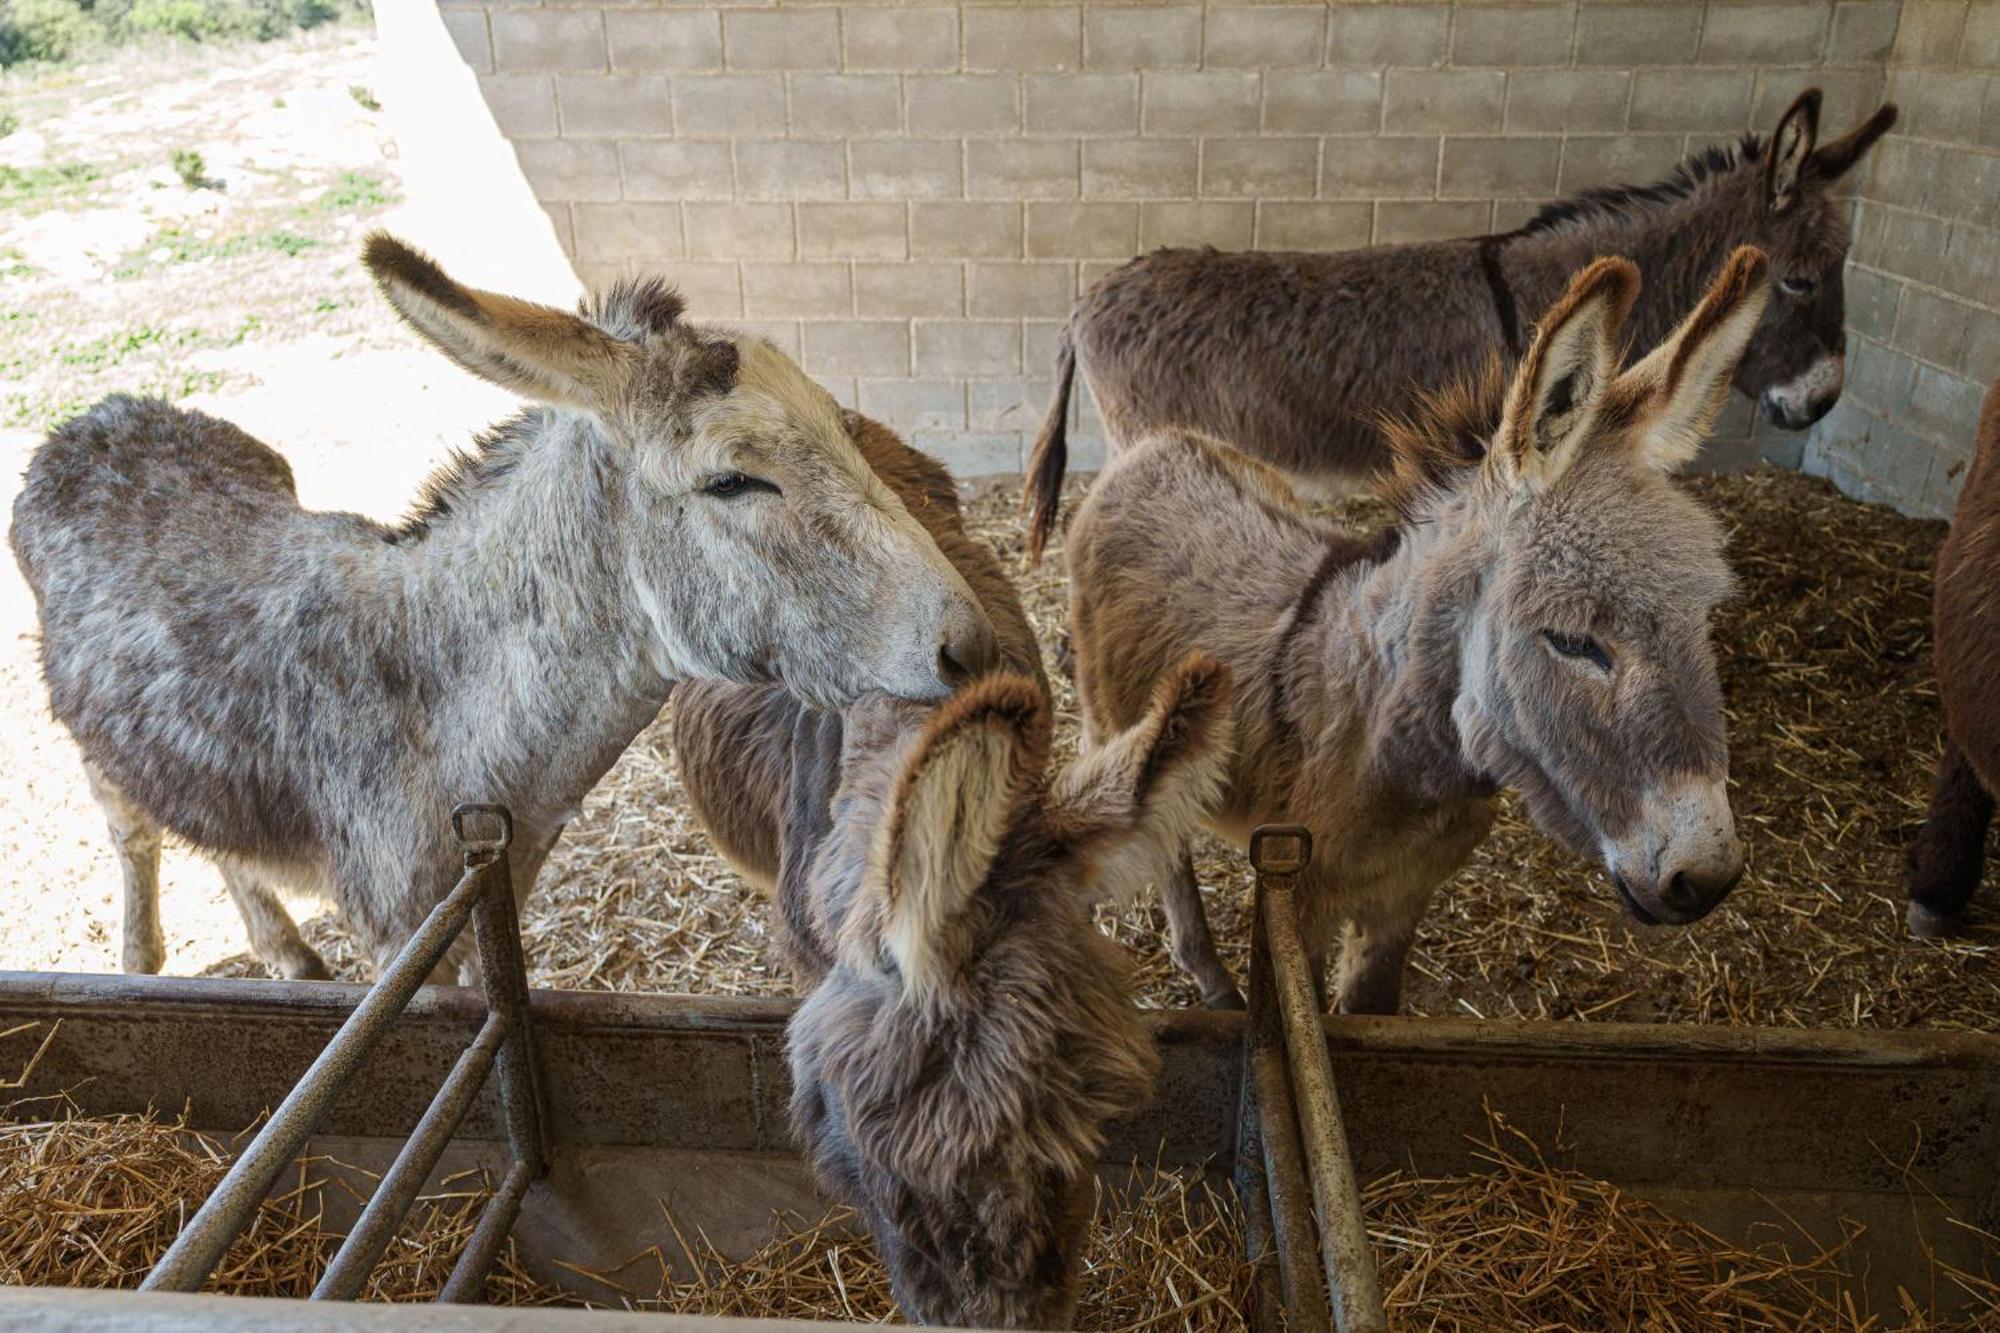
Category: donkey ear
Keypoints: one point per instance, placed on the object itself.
(952, 803)
(1837, 158)
(535, 350)
(1791, 147)
(1137, 796)
(1684, 380)
(1553, 399)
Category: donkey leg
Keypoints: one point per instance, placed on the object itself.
(273, 934)
(1378, 951)
(137, 840)
(1191, 940)
(1950, 850)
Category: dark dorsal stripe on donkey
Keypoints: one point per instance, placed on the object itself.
(1293, 358)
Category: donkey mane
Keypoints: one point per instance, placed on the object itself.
(492, 458)
(1612, 201)
(1442, 438)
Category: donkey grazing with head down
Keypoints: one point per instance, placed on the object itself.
(1950, 852)
(304, 696)
(1293, 358)
(1538, 621)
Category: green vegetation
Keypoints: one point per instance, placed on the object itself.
(9, 122)
(182, 248)
(363, 98)
(32, 189)
(51, 31)
(355, 191)
(192, 170)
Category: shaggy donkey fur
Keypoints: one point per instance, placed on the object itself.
(968, 1032)
(304, 696)
(1293, 358)
(1950, 852)
(1540, 621)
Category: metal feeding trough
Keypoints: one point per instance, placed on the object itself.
(651, 1100)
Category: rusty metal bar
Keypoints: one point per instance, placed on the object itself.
(1278, 853)
(485, 887)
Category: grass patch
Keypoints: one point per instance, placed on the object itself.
(192, 168)
(363, 98)
(355, 191)
(56, 31)
(32, 189)
(182, 248)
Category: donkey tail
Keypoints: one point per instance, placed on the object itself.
(1046, 464)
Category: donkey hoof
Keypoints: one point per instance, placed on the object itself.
(1927, 923)
(145, 957)
(305, 965)
(1229, 999)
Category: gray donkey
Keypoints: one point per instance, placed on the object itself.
(1294, 357)
(304, 696)
(968, 1031)
(1539, 621)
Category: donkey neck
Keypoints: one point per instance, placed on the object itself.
(1678, 240)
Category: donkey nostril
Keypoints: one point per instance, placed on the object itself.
(950, 669)
(1678, 893)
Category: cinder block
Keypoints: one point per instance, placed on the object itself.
(670, 41)
(966, 230)
(560, 223)
(975, 455)
(911, 405)
(730, 105)
(1947, 481)
(1221, 102)
(1511, 214)
(1510, 35)
(1388, 164)
(1039, 339)
(782, 334)
(1013, 169)
(901, 39)
(1757, 34)
(1850, 96)
(1082, 103)
(1143, 37)
(628, 231)
(791, 169)
(1015, 290)
(904, 169)
(1942, 104)
(1930, 31)
(1943, 405)
(1386, 35)
(1451, 101)
(1082, 231)
(846, 104)
(1283, 225)
(853, 231)
(712, 291)
(755, 39)
(1878, 378)
(1007, 405)
(963, 103)
(613, 105)
(1907, 244)
(1397, 221)
(1979, 48)
(1635, 36)
(1140, 168)
(468, 33)
(1871, 302)
(1863, 31)
(1322, 101)
(523, 105)
(1264, 37)
(1710, 100)
(570, 168)
(677, 169)
(857, 347)
(1972, 265)
(805, 290)
(738, 231)
(1982, 345)
(1512, 166)
(1033, 38)
(1568, 99)
(967, 347)
(548, 39)
(1273, 168)
(1930, 327)
(1224, 224)
(909, 289)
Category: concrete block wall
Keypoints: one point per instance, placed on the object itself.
(1923, 287)
(909, 197)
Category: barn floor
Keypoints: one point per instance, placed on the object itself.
(1833, 724)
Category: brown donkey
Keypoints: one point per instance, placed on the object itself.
(1950, 852)
(1294, 357)
(1540, 621)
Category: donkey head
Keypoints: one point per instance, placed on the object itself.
(757, 540)
(1588, 681)
(1793, 366)
(955, 1068)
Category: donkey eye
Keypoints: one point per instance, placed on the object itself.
(1579, 646)
(728, 485)
(1796, 286)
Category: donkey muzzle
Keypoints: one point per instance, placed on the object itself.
(1682, 858)
(1798, 403)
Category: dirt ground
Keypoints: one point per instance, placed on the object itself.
(237, 289)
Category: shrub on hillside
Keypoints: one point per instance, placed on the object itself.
(57, 30)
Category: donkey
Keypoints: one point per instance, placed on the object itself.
(1294, 357)
(1950, 851)
(967, 1031)
(1539, 620)
(304, 696)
